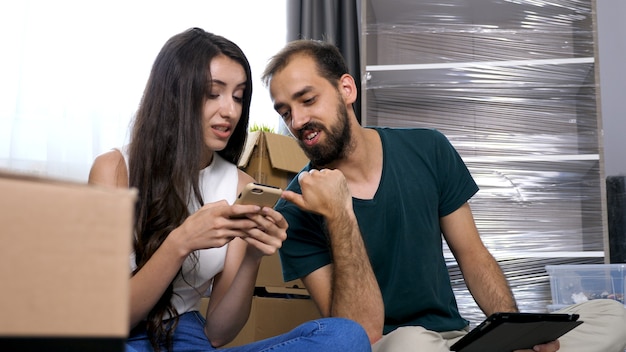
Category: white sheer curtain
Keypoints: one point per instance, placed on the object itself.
(72, 72)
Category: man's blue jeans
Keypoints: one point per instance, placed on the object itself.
(327, 335)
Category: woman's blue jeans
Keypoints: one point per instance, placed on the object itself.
(327, 335)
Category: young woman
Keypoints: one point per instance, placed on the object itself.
(188, 134)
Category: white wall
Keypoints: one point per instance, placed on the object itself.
(72, 72)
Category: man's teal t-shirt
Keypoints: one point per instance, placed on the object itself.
(423, 179)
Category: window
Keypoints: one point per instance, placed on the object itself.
(73, 71)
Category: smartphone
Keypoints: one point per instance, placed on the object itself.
(259, 194)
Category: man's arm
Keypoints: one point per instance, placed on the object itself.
(347, 288)
(483, 276)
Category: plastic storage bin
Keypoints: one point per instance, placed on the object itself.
(572, 284)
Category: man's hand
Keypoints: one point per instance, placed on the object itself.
(324, 192)
(546, 347)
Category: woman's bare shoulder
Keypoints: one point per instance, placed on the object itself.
(109, 169)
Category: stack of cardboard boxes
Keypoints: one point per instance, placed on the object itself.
(280, 306)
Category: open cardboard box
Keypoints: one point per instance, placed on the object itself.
(63, 265)
(272, 159)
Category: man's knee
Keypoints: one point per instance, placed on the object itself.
(603, 328)
(411, 338)
(605, 308)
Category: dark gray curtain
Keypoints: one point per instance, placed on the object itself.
(334, 21)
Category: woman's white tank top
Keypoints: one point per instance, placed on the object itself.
(218, 181)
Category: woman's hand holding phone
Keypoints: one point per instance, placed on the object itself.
(268, 236)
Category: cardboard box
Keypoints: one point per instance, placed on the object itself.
(64, 264)
(271, 316)
(271, 278)
(577, 283)
(272, 159)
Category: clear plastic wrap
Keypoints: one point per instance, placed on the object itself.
(512, 84)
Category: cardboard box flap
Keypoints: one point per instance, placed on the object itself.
(285, 153)
(251, 142)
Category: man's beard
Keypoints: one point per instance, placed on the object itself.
(337, 142)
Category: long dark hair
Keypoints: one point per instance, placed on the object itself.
(166, 149)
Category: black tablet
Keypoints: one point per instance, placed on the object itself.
(502, 332)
